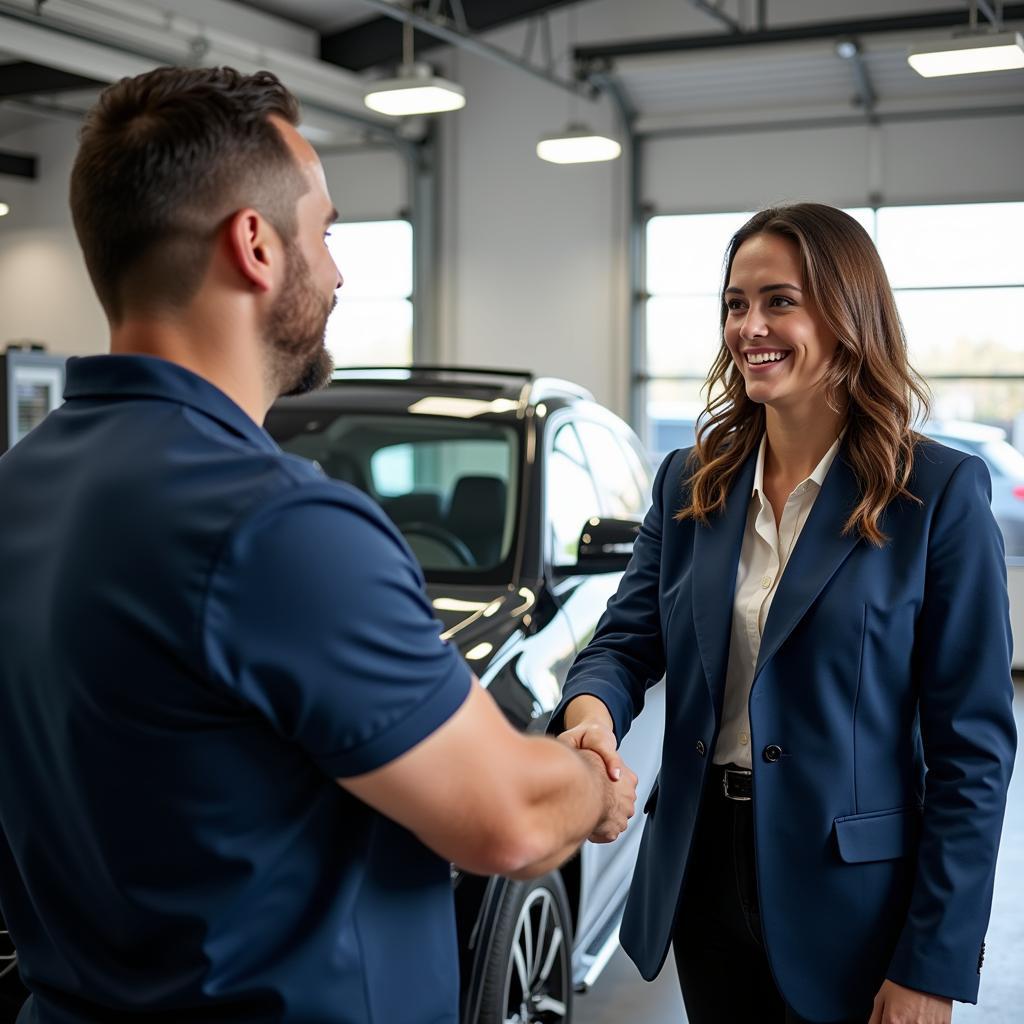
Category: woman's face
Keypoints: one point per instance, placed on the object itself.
(772, 329)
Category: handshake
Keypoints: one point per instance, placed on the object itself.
(590, 731)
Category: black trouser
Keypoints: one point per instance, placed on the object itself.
(719, 950)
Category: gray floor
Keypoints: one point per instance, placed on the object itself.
(620, 994)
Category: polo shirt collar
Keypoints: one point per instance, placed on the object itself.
(817, 476)
(137, 376)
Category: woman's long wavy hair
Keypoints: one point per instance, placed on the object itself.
(869, 376)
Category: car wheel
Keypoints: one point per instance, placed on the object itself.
(528, 975)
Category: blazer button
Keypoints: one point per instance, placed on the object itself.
(701, 749)
(771, 753)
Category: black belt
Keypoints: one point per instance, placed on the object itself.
(736, 783)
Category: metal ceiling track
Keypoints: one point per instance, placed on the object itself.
(587, 56)
(106, 39)
(448, 32)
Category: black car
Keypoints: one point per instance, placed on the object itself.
(521, 498)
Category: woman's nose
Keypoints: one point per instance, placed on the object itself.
(754, 325)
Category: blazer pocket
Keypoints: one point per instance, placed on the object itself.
(652, 797)
(877, 835)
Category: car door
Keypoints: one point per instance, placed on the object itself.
(623, 487)
(590, 473)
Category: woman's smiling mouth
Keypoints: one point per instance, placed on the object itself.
(764, 358)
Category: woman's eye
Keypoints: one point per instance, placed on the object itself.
(784, 300)
(733, 304)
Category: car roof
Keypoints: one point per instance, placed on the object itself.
(441, 390)
(963, 430)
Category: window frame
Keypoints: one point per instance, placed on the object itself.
(641, 379)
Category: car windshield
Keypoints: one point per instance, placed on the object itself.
(449, 485)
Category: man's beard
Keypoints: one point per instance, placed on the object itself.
(295, 330)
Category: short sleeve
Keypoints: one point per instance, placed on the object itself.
(316, 615)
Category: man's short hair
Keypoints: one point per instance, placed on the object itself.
(164, 159)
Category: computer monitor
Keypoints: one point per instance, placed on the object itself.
(33, 386)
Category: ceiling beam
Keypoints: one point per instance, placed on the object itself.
(23, 78)
(17, 165)
(379, 40)
(443, 29)
(957, 17)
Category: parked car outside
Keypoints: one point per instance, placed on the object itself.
(1005, 465)
(671, 428)
(521, 498)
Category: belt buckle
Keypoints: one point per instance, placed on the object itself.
(725, 782)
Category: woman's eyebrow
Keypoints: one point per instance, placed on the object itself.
(733, 290)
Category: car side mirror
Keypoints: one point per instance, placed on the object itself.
(606, 545)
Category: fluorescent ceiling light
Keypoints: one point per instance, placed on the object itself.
(416, 90)
(998, 51)
(577, 145)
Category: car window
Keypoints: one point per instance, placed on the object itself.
(639, 463)
(572, 497)
(617, 485)
(449, 485)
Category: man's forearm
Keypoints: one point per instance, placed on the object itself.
(567, 796)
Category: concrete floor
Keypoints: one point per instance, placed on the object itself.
(621, 994)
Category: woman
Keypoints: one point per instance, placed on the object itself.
(825, 593)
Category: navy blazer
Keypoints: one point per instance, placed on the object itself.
(883, 679)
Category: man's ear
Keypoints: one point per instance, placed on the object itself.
(254, 247)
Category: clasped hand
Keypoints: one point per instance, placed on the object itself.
(620, 801)
(896, 1004)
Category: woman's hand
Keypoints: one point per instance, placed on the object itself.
(895, 1004)
(589, 726)
(596, 736)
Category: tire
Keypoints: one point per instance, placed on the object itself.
(530, 913)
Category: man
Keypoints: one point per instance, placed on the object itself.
(235, 757)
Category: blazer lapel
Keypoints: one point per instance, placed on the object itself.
(820, 550)
(716, 555)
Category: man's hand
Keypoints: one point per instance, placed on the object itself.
(895, 1004)
(620, 800)
(596, 736)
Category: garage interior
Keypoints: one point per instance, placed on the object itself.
(461, 247)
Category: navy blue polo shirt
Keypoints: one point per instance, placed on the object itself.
(198, 635)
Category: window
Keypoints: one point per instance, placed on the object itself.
(372, 322)
(958, 275)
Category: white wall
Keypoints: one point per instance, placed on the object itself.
(45, 293)
(531, 271)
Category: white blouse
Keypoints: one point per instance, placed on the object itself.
(763, 559)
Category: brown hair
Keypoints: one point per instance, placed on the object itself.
(164, 158)
(869, 375)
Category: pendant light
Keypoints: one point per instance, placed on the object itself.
(578, 143)
(415, 89)
(970, 54)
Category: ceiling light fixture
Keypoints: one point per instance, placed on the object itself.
(415, 89)
(996, 51)
(578, 144)
(972, 53)
(4, 209)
